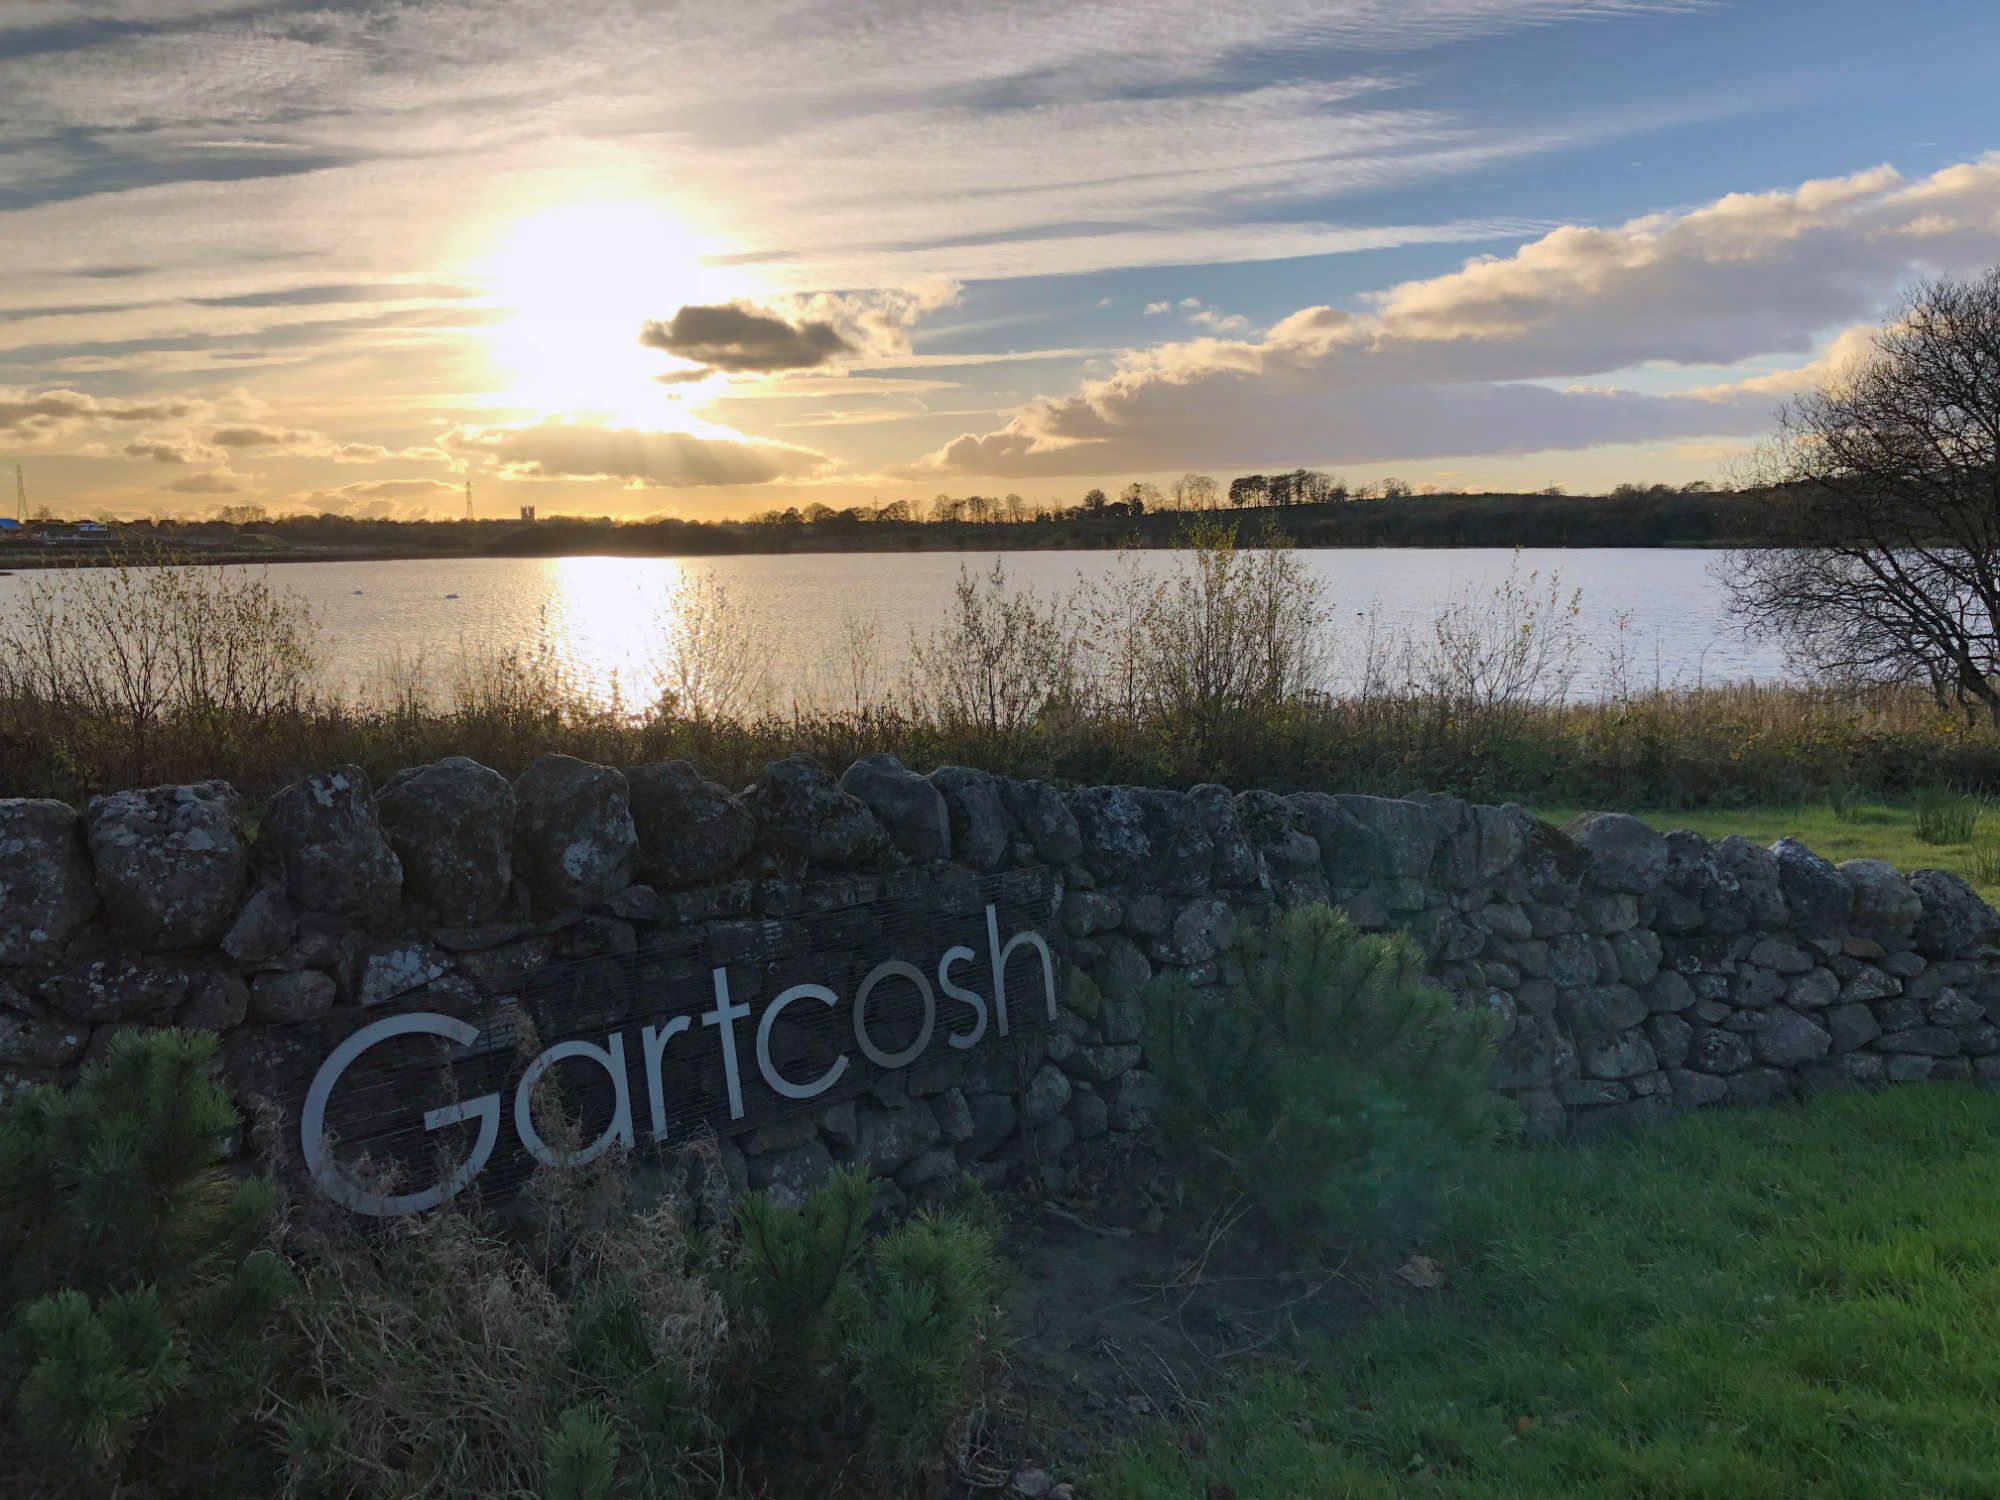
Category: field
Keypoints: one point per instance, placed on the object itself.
(1789, 1302)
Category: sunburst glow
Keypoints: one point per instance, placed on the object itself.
(576, 283)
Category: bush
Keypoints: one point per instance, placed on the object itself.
(1944, 816)
(1328, 1083)
(878, 1340)
(140, 1288)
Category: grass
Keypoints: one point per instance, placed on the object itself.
(1790, 1302)
(1853, 830)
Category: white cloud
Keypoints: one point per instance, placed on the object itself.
(1441, 366)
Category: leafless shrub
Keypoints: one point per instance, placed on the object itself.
(1002, 660)
(1504, 653)
(714, 659)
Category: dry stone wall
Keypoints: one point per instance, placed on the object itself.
(1634, 974)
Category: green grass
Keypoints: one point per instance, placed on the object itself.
(1790, 1302)
(1862, 830)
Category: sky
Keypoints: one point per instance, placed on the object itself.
(638, 258)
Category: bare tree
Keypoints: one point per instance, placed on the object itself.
(1885, 505)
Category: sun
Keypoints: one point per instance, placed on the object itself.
(574, 285)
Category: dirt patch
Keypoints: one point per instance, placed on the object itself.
(1124, 1310)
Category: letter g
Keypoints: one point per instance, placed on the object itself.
(312, 1123)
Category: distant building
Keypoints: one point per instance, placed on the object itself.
(527, 512)
(10, 530)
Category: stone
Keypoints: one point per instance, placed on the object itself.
(574, 839)
(1955, 921)
(262, 930)
(1374, 837)
(1088, 912)
(1781, 955)
(110, 987)
(1851, 1026)
(781, 1135)
(1950, 1007)
(1134, 1101)
(1910, 1069)
(1637, 956)
(1929, 1041)
(690, 831)
(1882, 897)
(993, 1120)
(911, 808)
(954, 1116)
(790, 1177)
(1100, 1064)
(802, 814)
(1625, 854)
(396, 969)
(980, 835)
(1714, 1050)
(1694, 1090)
(1814, 988)
(1047, 1094)
(934, 1164)
(1604, 1009)
(1147, 914)
(46, 887)
(1669, 991)
(1573, 961)
(841, 1124)
(1123, 969)
(170, 862)
(887, 1138)
(1816, 894)
(219, 1002)
(451, 823)
(293, 995)
(1038, 811)
(1543, 1117)
(1236, 865)
(1089, 1114)
(507, 968)
(1672, 1038)
(1789, 1039)
(1870, 983)
(1198, 934)
(322, 836)
(36, 1043)
(1607, 912)
(1622, 1056)
(1759, 897)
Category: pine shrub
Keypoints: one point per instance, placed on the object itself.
(1330, 1083)
(141, 1293)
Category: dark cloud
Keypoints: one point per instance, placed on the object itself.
(206, 484)
(740, 339)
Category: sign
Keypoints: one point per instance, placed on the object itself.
(723, 1029)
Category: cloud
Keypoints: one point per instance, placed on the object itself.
(1458, 364)
(737, 339)
(301, 443)
(796, 333)
(207, 484)
(170, 450)
(653, 458)
(381, 499)
(42, 416)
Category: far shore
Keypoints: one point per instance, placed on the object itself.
(1669, 519)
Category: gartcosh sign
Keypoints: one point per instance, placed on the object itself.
(722, 1030)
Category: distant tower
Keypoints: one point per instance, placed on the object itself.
(20, 495)
(468, 499)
